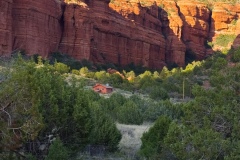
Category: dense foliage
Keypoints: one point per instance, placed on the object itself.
(41, 101)
(209, 124)
(57, 151)
(153, 139)
(38, 103)
(129, 113)
(195, 109)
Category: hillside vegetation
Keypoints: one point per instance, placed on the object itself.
(209, 124)
(46, 109)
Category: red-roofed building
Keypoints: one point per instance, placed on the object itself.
(104, 89)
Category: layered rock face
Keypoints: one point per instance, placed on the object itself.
(151, 33)
(196, 18)
(105, 34)
(5, 27)
(172, 30)
(36, 26)
(77, 32)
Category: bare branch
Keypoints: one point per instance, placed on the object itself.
(7, 105)
(10, 118)
(15, 128)
(15, 133)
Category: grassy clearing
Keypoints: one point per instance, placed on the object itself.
(225, 39)
(131, 138)
(128, 146)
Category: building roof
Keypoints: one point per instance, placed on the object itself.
(106, 86)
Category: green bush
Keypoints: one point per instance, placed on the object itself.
(90, 75)
(145, 82)
(141, 103)
(61, 67)
(152, 141)
(116, 100)
(92, 96)
(198, 71)
(57, 151)
(236, 55)
(112, 104)
(208, 63)
(101, 75)
(104, 130)
(129, 113)
(74, 71)
(154, 110)
(114, 79)
(83, 71)
(172, 84)
(164, 73)
(158, 93)
(219, 63)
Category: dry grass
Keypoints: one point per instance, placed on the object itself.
(128, 146)
(131, 138)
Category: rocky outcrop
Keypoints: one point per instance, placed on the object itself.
(5, 27)
(225, 21)
(36, 26)
(151, 33)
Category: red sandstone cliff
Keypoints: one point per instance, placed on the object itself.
(5, 27)
(147, 32)
(102, 34)
(35, 25)
(195, 17)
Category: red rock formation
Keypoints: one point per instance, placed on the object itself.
(5, 27)
(149, 33)
(172, 28)
(144, 43)
(195, 17)
(115, 35)
(36, 26)
(78, 28)
(225, 21)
